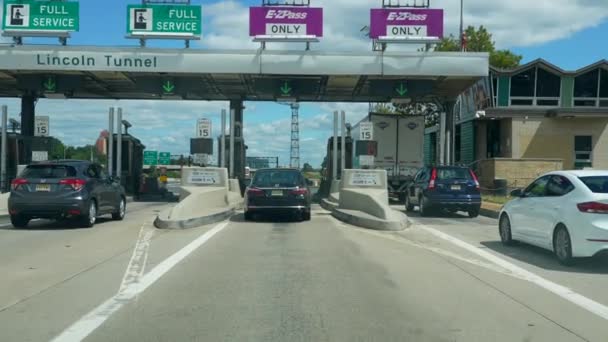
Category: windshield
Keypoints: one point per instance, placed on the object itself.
(277, 178)
(48, 171)
(453, 173)
(597, 184)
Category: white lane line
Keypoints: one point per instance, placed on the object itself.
(562, 291)
(402, 239)
(137, 264)
(94, 319)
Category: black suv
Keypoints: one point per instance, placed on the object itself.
(450, 188)
(65, 189)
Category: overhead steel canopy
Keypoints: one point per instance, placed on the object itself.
(258, 75)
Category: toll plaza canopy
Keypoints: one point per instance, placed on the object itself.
(254, 75)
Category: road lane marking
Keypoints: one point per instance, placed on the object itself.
(139, 258)
(402, 239)
(557, 289)
(94, 319)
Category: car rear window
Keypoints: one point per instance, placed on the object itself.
(48, 171)
(453, 173)
(597, 184)
(279, 178)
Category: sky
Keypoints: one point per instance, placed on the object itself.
(568, 33)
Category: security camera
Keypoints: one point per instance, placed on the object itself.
(480, 114)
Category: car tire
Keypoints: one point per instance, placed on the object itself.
(504, 230)
(19, 221)
(306, 215)
(473, 213)
(248, 216)
(562, 246)
(424, 207)
(122, 210)
(409, 207)
(88, 220)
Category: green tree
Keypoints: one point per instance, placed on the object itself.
(56, 149)
(307, 168)
(480, 40)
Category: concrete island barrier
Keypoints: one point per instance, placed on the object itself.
(363, 201)
(206, 196)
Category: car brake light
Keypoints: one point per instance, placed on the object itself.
(475, 179)
(593, 207)
(17, 182)
(301, 191)
(255, 192)
(433, 178)
(75, 183)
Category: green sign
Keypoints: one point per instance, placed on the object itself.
(168, 87)
(164, 158)
(33, 15)
(164, 19)
(50, 84)
(285, 89)
(150, 157)
(401, 90)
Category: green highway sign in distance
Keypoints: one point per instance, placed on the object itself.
(164, 158)
(164, 19)
(32, 15)
(150, 157)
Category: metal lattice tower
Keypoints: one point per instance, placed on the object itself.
(294, 160)
(294, 151)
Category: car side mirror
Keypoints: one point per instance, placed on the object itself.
(517, 193)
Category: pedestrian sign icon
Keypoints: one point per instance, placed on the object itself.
(141, 19)
(19, 15)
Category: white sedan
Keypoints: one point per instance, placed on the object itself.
(563, 211)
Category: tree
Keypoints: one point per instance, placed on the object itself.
(307, 167)
(480, 40)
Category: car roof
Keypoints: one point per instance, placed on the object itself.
(580, 173)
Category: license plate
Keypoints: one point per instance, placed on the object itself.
(455, 187)
(276, 193)
(43, 187)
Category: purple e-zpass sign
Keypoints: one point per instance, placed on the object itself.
(285, 21)
(405, 22)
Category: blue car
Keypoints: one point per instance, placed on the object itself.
(448, 188)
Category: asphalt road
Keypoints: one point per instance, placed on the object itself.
(277, 280)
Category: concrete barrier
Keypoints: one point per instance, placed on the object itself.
(205, 198)
(4, 204)
(363, 201)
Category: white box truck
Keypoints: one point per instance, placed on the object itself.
(395, 144)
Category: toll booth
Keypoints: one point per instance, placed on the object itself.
(239, 155)
(19, 151)
(330, 155)
(328, 170)
(132, 162)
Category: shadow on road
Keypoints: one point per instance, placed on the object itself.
(58, 225)
(545, 259)
(266, 218)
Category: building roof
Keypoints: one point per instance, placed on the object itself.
(551, 67)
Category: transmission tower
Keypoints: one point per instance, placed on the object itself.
(294, 152)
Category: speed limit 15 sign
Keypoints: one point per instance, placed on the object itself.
(366, 131)
(41, 126)
(203, 128)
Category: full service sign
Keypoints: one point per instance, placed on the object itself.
(164, 19)
(285, 21)
(406, 23)
(29, 15)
